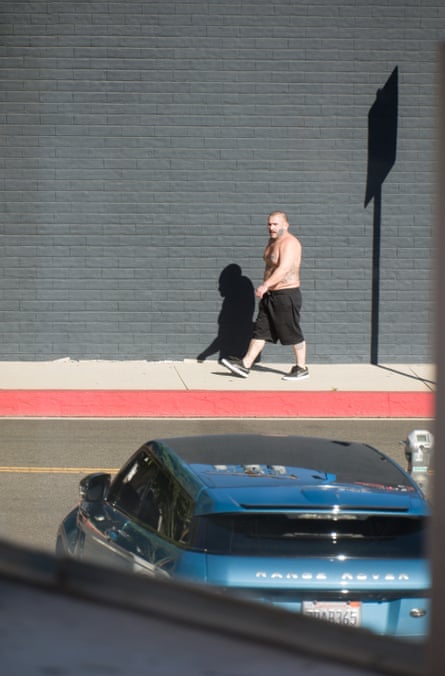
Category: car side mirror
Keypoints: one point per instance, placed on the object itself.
(94, 487)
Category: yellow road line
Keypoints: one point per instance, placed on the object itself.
(56, 470)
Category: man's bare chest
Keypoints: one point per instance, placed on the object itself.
(272, 254)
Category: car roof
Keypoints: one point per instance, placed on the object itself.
(249, 471)
(350, 461)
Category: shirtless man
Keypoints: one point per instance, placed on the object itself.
(280, 302)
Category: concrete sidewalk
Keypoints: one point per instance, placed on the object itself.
(187, 388)
(210, 375)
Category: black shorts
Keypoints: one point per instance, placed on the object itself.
(279, 317)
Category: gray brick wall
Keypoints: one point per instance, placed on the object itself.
(142, 145)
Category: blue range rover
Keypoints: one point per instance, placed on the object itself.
(332, 529)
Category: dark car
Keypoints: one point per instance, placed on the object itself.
(332, 529)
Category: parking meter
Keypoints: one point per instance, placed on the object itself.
(419, 447)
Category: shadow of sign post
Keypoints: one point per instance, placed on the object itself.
(382, 146)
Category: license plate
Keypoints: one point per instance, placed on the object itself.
(337, 612)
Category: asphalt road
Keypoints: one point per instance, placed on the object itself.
(42, 461)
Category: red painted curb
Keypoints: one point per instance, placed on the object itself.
(214, 404)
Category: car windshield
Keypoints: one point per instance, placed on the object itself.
(310, 535)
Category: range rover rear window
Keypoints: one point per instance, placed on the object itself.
(310, 535)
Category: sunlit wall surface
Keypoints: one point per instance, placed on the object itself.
(144, 143)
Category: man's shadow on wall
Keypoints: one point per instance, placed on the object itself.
(235, 320)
